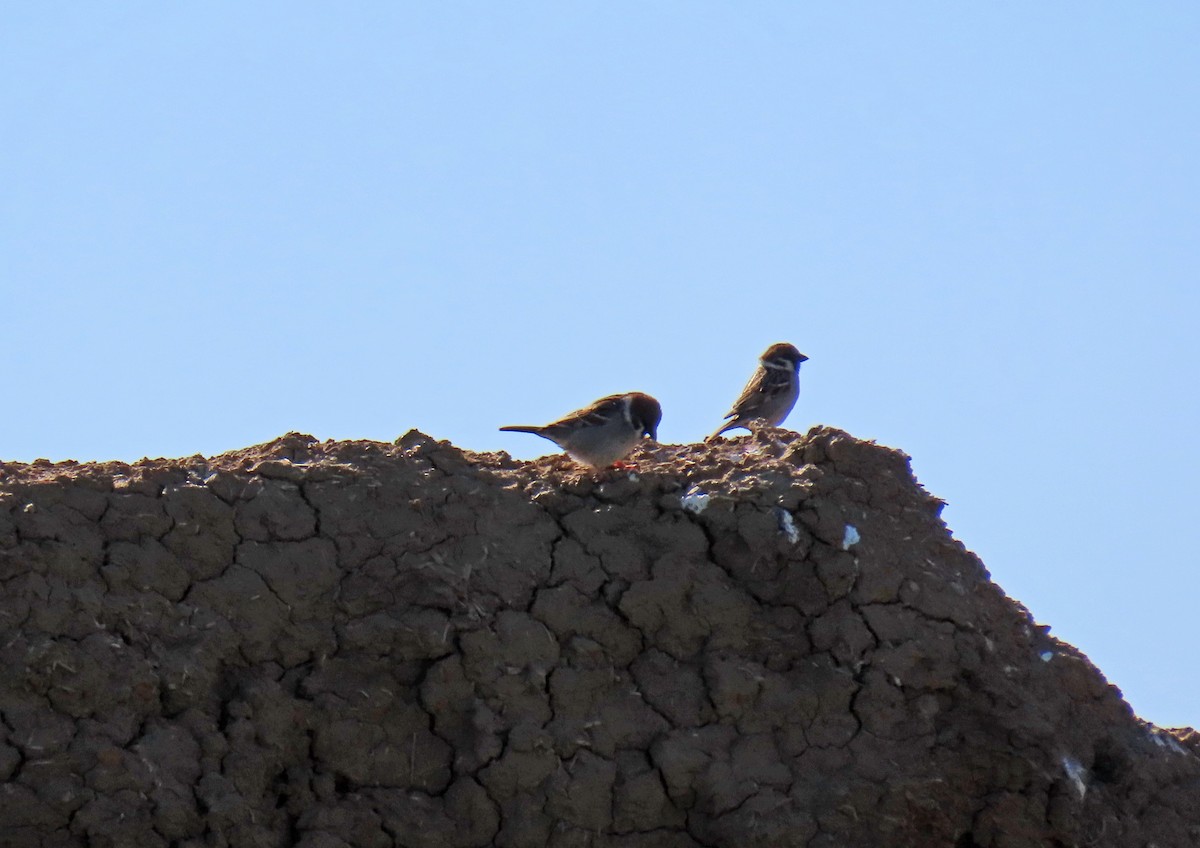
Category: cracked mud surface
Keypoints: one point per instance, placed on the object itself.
(773, 641)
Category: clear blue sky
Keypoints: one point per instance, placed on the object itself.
(223, 221)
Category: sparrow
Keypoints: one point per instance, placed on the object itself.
(771, 392)
(600, 434)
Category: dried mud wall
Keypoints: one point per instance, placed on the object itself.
(770, 642)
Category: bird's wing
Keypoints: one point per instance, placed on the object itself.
(593, 415)
(752, 396)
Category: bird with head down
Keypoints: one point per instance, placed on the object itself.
(604, 432)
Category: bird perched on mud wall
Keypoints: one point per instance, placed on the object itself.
(771, 392)
(605, 432)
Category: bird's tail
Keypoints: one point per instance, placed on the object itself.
(728, 425)
(523, 428)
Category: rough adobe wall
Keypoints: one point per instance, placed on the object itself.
(770, 642)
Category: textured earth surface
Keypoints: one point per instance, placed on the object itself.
(770, 641)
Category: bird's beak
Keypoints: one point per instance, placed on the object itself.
(802, 358)
(652, 432)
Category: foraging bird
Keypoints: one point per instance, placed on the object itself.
(771, 392)
(600, 434)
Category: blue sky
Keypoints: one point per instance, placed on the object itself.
(224, 221)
